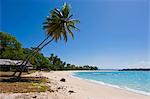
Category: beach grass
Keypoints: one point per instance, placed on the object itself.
(24, 85)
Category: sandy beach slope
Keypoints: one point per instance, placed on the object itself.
(82, 89)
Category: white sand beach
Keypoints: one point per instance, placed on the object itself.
(74, 88)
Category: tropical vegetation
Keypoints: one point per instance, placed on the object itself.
(10, 48)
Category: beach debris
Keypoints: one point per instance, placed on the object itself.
(71, 91)
(56, 90)
(50, 90)
(60, 88)
(34, 97)
(63, 80)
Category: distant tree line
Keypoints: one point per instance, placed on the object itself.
(58, 64)
(10, 48)
(135, 69)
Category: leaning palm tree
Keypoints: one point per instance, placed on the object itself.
(58, 25)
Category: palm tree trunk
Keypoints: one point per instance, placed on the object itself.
(35, 52)
(28, 57)
(19, 67)
(23, 66)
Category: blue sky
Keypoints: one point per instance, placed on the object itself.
(113, 33)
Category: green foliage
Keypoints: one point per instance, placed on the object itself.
(10, 47)
(39, 61)
(60, 23)
(58, 64)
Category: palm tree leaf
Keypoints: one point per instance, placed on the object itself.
(69, 31)
(74, 27)
(64, 32)
(65, 10)
(57, 13)
(75, 21)
(72, 23)
(70, 16)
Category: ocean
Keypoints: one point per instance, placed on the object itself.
(137, 81)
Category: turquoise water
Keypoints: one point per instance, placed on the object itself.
(137, 81)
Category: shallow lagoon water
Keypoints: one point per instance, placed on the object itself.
(137, 81)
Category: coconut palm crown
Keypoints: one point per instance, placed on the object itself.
(60, 23)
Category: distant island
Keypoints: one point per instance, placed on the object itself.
(135, 69)
(127, 69)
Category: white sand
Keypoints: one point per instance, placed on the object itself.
(82, 89)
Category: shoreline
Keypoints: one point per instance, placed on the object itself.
(109, 85)
(81, 89)
(87, 89)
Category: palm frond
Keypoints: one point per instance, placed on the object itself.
(74, 27)
(56, 12)
(64, 32)
(65, 10)
(69, 31)
(70, 16)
